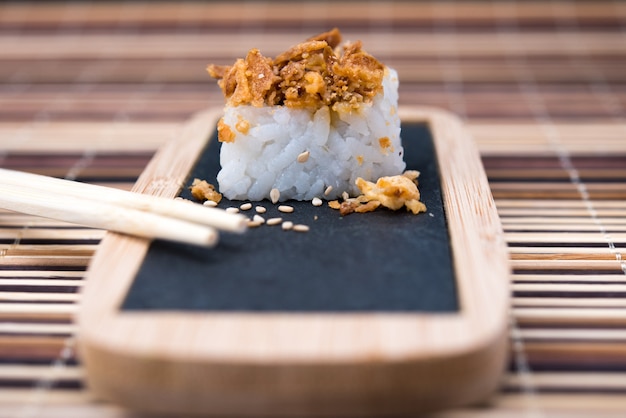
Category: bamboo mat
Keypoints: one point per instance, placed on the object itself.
(89, 91)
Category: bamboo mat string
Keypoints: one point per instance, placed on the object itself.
(121, 117)
(530, 91)
(45, 383)
(447, 54)
(566, 20)
(522, 365)
(599, 87)
(381, 23)
(84, 82)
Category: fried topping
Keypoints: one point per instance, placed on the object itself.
(393, 192)
(224, 133)
(202, 190)
(311, 74)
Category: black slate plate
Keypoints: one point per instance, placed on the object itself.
(382, 261)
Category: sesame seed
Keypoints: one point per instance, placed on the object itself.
(285, 208)
(210, 203)
(253, 224)
(316, 201)
(258, 218)
(328, 190)
(274, 195)
(345, 195)
(301, 228)
(260, 209)
(261, 75)
(287, 225)
(303, 157)
(232, 210)
(274, 221)
(246, 206)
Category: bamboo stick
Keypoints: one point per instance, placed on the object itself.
(70, 137)
(50, 310)
(573, 380)
(584, 334)
(551, 204)
(569, 316)
(284, 13)
(41, 297)
(569, 288)
(51, 235)
(569, 252)
(564, 237)
(36, 328)
(571, 221)
(182, 46)
(51, 275)
(544, 227)
(41, 282)
(45, 262)
(559, 213)
(574, 303)
(555, 265)
(36, 372)
(567, 278)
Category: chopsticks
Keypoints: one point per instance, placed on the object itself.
(115, 210)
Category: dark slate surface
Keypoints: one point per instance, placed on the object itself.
(382, 261)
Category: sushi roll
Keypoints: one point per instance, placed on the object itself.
(307, 123)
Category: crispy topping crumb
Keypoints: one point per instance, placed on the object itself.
(385, 144)
(393, 192)
(202, 190)
(242, 125)
(311, 74)
(224, 133)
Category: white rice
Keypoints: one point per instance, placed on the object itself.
(342, 146)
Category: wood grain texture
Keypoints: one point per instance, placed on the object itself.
(324, 364)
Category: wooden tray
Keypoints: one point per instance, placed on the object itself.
(285, 361)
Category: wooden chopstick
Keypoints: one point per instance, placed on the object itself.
(116, 210)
